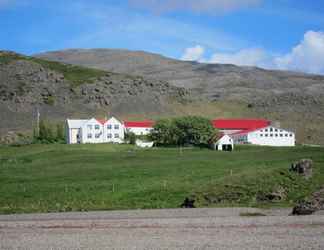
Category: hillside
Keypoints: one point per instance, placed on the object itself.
(295, 99)
(60, 90)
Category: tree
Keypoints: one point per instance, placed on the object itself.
(193, 130)
(131, 137)
(60, 132)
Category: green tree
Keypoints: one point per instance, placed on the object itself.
(60, 132)
(192, 130)
(131, 137)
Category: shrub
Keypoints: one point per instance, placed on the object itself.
(189, 130)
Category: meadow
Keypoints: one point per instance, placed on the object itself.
(56, 178)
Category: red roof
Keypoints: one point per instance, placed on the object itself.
(142, 124)
(240, 124)
(102, 121)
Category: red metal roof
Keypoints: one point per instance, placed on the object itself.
(141, 124)
(240, 124)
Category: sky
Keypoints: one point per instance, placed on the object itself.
(281, 34)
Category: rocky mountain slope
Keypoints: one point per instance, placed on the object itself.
(59, 91)
(294, 99)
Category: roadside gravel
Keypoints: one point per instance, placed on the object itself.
(219, 228)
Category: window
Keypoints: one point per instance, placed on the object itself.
(261, 135)
(276, 135)
(276, 130)
(98, 136)
(97, 127)
(109, 126)
(271, 135)
(281, 135)
(109, 136)
(116, 135)
(266, 130)
(286, 135)
(89, 127)
(291, 135)
(116, 126)
(89, 136)
(266, 135)
(271, 129)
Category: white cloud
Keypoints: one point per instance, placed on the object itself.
(193, 54)
(244, 57)
(308, 56)
(209, 6)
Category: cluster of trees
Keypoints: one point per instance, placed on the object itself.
(189, 130)
(48, 132)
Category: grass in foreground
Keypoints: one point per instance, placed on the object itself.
(52, 178)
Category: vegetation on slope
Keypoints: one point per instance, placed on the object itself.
(51, 178)
(76, 75)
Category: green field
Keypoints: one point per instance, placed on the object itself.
(51, 178)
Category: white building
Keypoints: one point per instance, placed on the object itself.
(139, 128)
(94, 131)
(267, 136)
(224, 143)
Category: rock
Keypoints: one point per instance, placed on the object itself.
(304, 208)
(188, 203)
(303, 167)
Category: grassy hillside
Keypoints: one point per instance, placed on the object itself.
(76, 75)
(49, 178)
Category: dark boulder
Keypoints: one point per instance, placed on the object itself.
(304, 208)
(188, 203)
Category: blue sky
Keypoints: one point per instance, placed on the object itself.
(286, 34)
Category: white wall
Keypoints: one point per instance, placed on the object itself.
(272, 136)
(114, 131)
(92, 132)
(139, 131)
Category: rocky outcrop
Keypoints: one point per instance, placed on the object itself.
(303, 167)
(59, 91)
(307, 207)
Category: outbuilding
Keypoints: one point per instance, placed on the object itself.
(224, 143)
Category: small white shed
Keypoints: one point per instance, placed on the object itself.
(224, 143)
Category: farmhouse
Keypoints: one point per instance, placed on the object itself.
(94, 131)
(233, 131)
(256, 132)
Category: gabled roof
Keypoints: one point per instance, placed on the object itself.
(102, 121)
(141, 124)
(75, 123)
(240, 124)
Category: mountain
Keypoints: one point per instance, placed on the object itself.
(294, 99)
(59, 91)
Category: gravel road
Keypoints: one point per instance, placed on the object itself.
(220, 228)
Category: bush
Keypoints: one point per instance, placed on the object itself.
(189, 130)
(131, 137)
(49, 132)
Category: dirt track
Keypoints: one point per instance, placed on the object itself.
(163, 229)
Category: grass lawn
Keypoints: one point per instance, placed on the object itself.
(51, 178)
